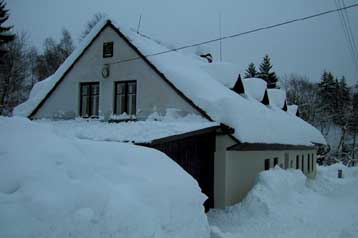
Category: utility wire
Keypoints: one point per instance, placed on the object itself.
(346, 32)
(350, 32)
(243, 33)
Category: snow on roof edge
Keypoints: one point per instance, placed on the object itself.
(42, 88)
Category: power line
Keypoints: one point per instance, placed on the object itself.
(350, 32)
(346, 32)
(243, 33)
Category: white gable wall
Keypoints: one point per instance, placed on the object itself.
(153, 93)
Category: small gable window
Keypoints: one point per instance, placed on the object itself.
(125, 98)
(107, 49)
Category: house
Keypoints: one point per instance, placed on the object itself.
(118, 74)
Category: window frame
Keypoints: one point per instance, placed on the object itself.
(297, 162)
(90, 113)
(267, 164)
(126, 96)
(275, 161)
(104, 52)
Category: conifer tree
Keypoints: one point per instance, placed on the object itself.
(251, 71)
(353, 122)
(266, 74)
(327, 97)
(5, 34)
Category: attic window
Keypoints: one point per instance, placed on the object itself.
(107, 49)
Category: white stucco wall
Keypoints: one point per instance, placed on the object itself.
(235, 171)
(153, 93)
(243, 167)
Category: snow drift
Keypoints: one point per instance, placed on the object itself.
(52, 186)
(284, 203)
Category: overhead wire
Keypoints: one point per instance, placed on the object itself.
(338, 9)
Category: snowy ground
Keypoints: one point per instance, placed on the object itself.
(61, 186)
(286, 204)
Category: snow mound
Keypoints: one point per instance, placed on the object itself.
(255, 87)
(284, 203)
(51, 186)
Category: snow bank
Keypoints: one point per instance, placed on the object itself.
(51, 186)
(135, 131)
(284, 203)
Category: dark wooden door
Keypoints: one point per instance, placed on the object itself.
(196, 155)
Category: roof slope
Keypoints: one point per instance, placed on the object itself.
(253, 122)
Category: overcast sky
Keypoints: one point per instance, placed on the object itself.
(306, 47)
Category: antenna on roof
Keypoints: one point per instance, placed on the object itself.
(140, 20)
(220, 32)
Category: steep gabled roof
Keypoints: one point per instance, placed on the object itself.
(253, 122)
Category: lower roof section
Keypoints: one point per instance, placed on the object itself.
(267, 147)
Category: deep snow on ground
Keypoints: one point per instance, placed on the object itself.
(286, 204)
(55, 186)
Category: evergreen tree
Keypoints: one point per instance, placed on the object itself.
(353, 122)
(265, 74)
(5, 34)
(251, 71)
(342, 104)
(327, 98)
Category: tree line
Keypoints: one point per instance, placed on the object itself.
(22, 65)
(329, 105)
(265, 72)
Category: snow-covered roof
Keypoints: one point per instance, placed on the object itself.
(132, 131)
(277, 97)
(253, 122)
(255, 87)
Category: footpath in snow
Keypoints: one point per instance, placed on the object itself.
(285, 204)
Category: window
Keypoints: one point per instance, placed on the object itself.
(312, 163)
(275, 162)
(308, 163)
(89, 100)
(125, 98)
(267, 164)
(303, 164)
(297, 162)
(107, 49)
(286, 160)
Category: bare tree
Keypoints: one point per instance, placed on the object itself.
(14, 73)
(54, 55)
(91, 23)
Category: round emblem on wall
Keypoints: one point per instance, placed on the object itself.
(105, 71)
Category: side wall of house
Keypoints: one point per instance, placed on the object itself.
(153, 93)
(243, 167)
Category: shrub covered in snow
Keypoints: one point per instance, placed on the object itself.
(54, 186)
